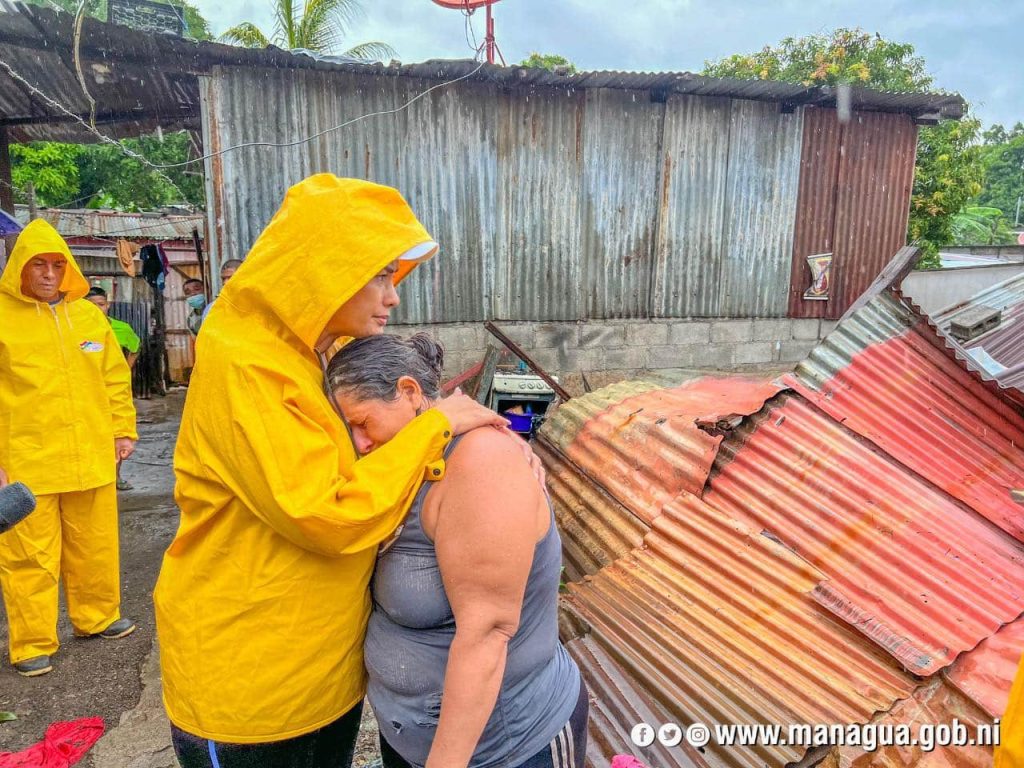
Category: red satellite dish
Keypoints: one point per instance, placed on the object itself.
(467, 7)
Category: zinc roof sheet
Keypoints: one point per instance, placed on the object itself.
(854, 536)
(880, 374)
(986, 673)
(920, 574)
(713, 622)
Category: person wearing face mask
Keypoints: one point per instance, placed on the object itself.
(66, 419)
(195, 298)
(262, 599)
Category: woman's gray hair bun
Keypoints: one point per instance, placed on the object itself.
(370, 368)
(431, 352)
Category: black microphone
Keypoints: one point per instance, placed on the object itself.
(16, 503)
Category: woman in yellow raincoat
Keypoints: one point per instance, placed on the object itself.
(262, 601)
(66, 417)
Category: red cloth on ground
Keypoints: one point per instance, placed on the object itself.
(619, 761)
(62, 746)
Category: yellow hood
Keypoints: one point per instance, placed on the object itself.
(328, 239)
(39, 237)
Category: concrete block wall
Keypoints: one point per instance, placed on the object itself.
(632, 347)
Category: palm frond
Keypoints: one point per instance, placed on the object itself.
(246, 34)
(325, 23)
(373, 51)
(284, 24)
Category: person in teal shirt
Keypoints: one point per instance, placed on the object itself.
(129, 342)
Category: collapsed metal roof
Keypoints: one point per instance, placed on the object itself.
(851, 555)
(140, 81)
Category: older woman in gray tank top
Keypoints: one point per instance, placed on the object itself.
(465, 667)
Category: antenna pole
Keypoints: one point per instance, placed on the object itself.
(490, 34)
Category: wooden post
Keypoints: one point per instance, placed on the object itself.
(30, 192)
(6, 183)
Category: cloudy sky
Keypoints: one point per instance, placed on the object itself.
(971, 46)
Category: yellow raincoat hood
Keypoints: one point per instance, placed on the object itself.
(329, 238)
(263, 600)
(38, 238)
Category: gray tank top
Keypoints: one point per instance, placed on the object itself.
(411, 629)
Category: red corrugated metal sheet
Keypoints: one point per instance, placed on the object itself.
(986, 673)
(936, 703)
(869, 202)
(841, 533)
(648, 448)
(713, 623)
(881, 375)
(596, 529)
(905, 564)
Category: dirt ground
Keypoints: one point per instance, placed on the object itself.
(94, 676)
(118, 680)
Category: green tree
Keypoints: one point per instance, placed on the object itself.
(196, 26)
(550, 61)
(949, 169)
(1003, 157)
(76, 176)
(979, 225)
(50, 166)
(320, 26)
(123, 182)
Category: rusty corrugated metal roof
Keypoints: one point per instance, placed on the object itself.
(142, 80)
(85, 222)
(903, 562)
(934, 703)
(986, 673)
(855, 185)
(882, 376)
(713, 623)
(645, 445)
(840, 539)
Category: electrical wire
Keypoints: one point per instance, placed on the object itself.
(275, 145)
(161, 167)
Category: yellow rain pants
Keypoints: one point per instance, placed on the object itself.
(65, 395)
(1010, 753)
(263, 600)
(70, 534)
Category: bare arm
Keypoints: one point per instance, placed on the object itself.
(485, 536)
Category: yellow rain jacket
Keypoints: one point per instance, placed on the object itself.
(262, 601)
(65, 389)
(1011, 729)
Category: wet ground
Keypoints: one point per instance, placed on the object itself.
(119, 680)
(94, 676)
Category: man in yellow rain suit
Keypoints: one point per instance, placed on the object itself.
(262, 601)
(66, 417)
(1010, 753)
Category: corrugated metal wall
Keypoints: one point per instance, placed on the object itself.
(854, 201)
(549, 203)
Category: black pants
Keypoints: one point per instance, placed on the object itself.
(567, 750)
(330, 747)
